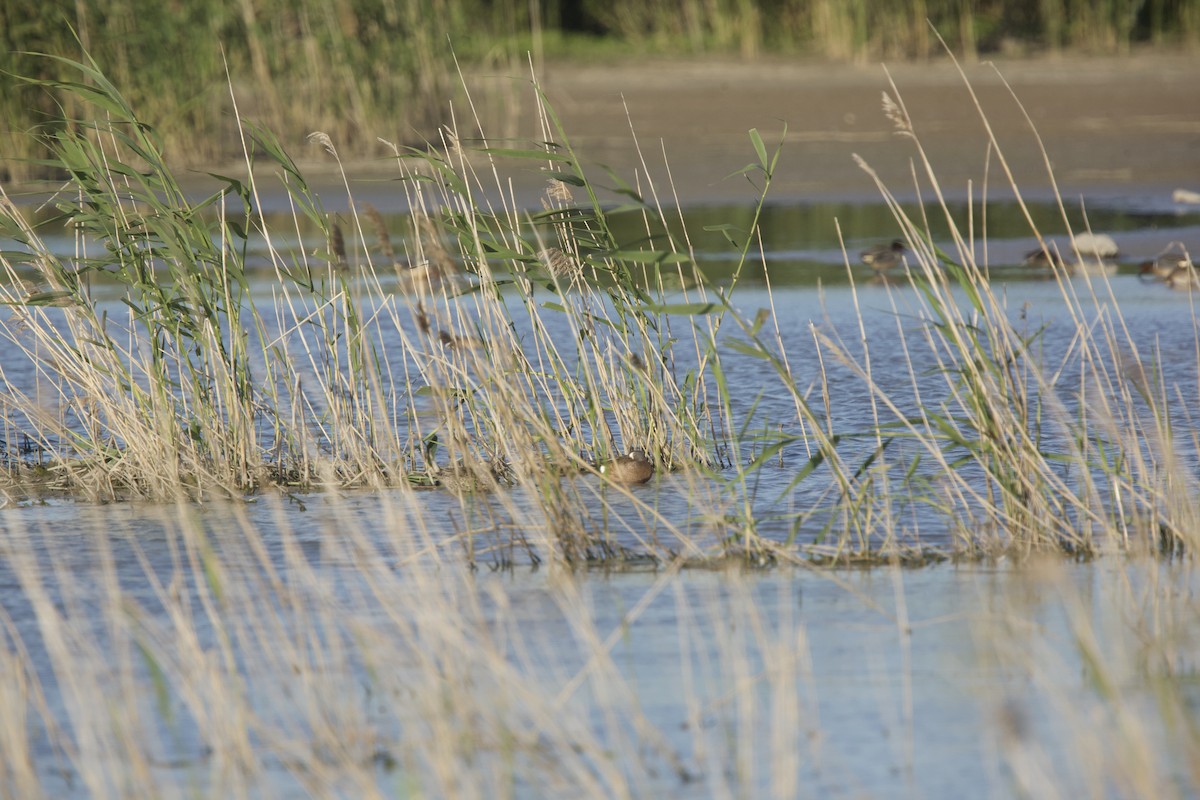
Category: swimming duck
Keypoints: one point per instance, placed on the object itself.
(885, 256)
(1183, 277)
(1162, 267)
(429, 277)
(631, 468)
(1043, 258)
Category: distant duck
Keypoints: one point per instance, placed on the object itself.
(632, 468)
(1043, 258)
(1183, 277)
(1162, 267)
(884, 257)
(429, 277)
(1049, 260)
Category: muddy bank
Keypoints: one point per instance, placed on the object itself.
(1110, 126)
(1120, 128)
(1107, 125)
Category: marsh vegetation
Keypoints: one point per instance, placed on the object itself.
(530, 346)
(362, 69)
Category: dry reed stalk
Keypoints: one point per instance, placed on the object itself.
(1110, 701)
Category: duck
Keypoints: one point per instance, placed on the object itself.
(428, 277)
(1183, 277)
(885, 256)
(631, 468)
(1043, 258)
(1163, 266)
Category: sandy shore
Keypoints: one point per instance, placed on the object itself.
(1110, 126)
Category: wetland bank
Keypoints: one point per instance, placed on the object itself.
(228, 567)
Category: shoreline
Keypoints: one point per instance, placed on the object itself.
(1116, 127)
(1110, 126)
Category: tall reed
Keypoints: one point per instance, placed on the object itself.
(1081, 469)
(359, 372)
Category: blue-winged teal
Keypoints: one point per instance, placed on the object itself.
(632, 468)
(884, 256)
(1183, 277)
(1162, 267)
(1043, 258)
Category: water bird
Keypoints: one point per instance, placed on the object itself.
(427, 277)
(1043, 258)
(1161, 267)
(1183, 277)
(631, 468)
(461, 342)
(884, 257)
(1046, 259)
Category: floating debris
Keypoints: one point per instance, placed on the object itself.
(1100, 245)
(1185, 196)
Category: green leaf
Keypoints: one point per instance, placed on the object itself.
(681, 309)
(769, 451)
(747, 349)
(624, 188)
(158, 678)
(817, 459)
(48, 298)
(568, 178)
(500, 250)
(760, 149)
(871, 458)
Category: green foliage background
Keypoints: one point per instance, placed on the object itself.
(359, 69)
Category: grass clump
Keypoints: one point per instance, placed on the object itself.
(368, 366)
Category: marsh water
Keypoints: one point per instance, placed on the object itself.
(878, 682)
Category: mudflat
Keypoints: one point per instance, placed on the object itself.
(1121, 125)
